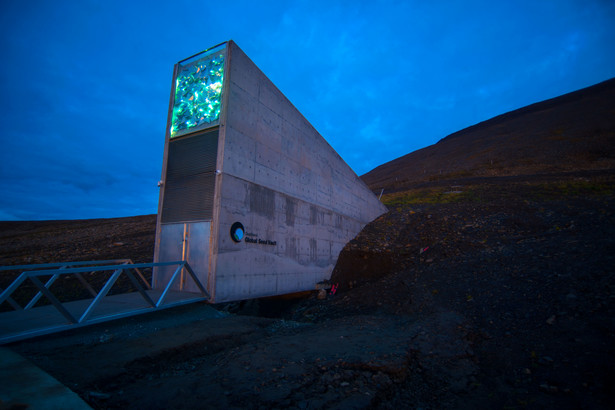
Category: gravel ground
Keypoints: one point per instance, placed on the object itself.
(490, 296)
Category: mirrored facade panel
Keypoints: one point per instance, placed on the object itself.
(198, 92)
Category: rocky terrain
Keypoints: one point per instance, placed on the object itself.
(491, 295)
(473, 291)
(569, 133)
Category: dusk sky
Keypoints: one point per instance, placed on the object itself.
(85, 84)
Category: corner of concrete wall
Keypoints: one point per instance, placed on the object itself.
(299, 202)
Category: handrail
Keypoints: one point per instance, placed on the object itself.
(118, 266)
(63, 265)
(59, 264)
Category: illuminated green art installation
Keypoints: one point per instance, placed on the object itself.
(198, 93)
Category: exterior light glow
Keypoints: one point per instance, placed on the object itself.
(198, 93)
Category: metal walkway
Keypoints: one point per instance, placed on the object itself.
(35, 320)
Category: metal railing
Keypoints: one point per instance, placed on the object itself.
(119, 266)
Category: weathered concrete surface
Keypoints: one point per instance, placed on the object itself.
(286, 185)
(298, 201)
(24, 385)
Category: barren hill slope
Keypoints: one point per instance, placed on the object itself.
(570, 133)
(490, 295)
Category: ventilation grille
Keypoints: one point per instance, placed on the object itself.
(189, 184)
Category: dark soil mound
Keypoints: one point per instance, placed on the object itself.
(491, 295)
(525, 270)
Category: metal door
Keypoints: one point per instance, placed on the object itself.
(184, 242)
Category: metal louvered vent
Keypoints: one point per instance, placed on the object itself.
(190, 180)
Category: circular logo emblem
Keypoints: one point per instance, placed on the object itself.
(237, 232)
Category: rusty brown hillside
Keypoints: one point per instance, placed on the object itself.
(568, 134)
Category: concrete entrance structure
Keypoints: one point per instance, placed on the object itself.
(252, 196)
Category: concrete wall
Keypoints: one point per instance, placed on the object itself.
(297, 199)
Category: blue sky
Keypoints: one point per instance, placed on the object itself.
(85, 84)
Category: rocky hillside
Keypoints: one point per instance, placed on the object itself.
(488, 284)
(572, 132)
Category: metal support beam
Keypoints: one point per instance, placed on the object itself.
(12, 302)
(103, 292)
(47, 286)
(119, 267)
(139, 288)
(85, 284)
(166, 289)
(53, 299)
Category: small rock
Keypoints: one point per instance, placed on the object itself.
(98, 395)
(548, 388)
(322, 294)
(381, 379)
(551, 320)
(545, 360)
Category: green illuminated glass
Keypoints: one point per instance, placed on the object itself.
(198, 93)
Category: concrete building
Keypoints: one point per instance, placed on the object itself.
(252, 196)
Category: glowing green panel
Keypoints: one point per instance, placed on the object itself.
(198, 93)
